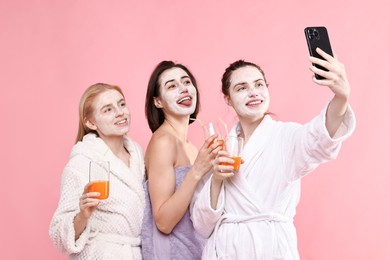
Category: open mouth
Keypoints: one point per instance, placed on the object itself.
(255, 102)
(124, 121)
(187, 100)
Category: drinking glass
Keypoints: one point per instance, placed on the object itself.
(99, 178)
(213, 128)
(234, 146)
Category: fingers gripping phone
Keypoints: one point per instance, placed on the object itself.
(317, 36)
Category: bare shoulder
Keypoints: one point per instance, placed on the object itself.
(162, 145)
(161, 139)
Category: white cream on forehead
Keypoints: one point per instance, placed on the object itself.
(172, 74)
(110, 96)
(250, 76)
(106, 121)
(169, 97)
(247, 74)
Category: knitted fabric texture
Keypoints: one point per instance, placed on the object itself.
(113, 231)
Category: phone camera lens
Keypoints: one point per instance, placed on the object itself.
(313, 34)
(316, 34)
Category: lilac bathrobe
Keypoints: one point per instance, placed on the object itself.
(256, 207)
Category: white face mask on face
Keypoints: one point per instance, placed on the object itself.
(249, 94)
(111, 116)
(177, 93)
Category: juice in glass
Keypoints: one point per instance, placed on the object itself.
(234, 146)
(212, 129)
(99, 178)
(103, 187)
(216, 140)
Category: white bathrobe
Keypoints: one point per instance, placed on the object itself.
(256, 207)
(113, 230)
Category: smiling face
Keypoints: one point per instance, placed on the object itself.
(177, 93)
(248, 93)
(111, 116)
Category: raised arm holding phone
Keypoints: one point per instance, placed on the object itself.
(249, 214)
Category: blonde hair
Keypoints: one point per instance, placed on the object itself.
(86, 106)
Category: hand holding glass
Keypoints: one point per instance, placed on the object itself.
(99, 178)
(212, 129)
(234, 146)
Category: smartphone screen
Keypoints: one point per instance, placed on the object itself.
(317, 36)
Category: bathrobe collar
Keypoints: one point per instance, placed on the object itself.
(95, 149)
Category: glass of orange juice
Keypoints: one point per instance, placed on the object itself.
(234, 146)
(210, 129)
(99, 178)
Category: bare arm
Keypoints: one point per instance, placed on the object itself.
(169, 205)
(336, 80)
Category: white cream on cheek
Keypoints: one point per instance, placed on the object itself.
(170, 95)
(248, 76)
(170, 98)
(238, 102)
(105, 121)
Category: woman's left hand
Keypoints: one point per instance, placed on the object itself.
(336, 78)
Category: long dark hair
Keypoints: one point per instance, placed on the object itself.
(155, 115)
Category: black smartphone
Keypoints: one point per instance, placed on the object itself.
(317, 36)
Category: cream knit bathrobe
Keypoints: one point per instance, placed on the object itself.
(113, 230)
(256, 207)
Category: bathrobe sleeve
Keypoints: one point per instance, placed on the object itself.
(310, 145)
(61, 230)
(203, 216)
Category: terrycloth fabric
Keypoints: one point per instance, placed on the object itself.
(256, 207)
(183, 243)
(113, 231)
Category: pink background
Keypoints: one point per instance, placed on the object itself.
(52, 50)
